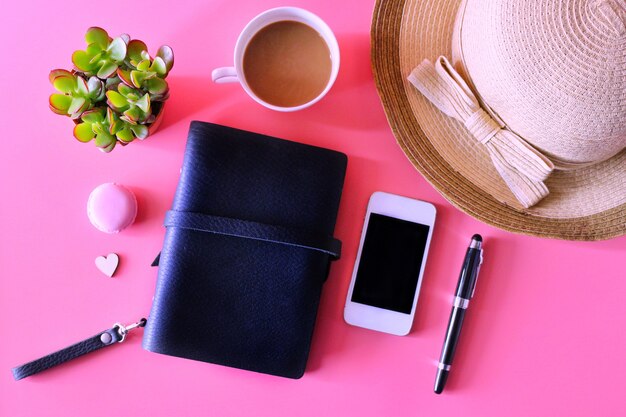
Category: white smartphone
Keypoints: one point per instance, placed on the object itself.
(390, 263)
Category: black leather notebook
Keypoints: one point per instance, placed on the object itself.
(248, 246)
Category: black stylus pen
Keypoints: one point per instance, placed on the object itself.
(464, 292)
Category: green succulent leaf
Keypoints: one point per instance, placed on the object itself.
(60, 103)
(107, 70)
(95, 59)
(114, 122)
(125, 134)
(83, 132)
(96, 88)
(76, 105)
(138, 77)
(109, 148)
(158, 66)
(111, 83)
(104, 139)
(144, 65)
(167, 55)
(117, 50)
(117, 100)
(156, 86)
(126, 91)
(95, 49)
(115, 126)
(64, 83)
(81, 86)
(86, 106)
(141, 131)
(81, 60)
(57, 111)
(124, 76)
(98, 36)
(59, 73)
(97, 128)
(93, 116)
(127, 119)
(135, 48)
(133, 115)
(144, 103)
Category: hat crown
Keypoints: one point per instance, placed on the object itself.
(553, 71)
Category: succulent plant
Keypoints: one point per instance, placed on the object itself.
(145, 72)
(96, 124)
(115, 91)
(131, 102)
(107, 128)
(78, 94)
(103, 55)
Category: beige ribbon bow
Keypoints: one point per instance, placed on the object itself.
(521, 166)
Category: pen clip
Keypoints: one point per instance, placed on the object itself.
(477, 273)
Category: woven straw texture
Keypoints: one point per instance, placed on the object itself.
(583, 204)
(554, 71)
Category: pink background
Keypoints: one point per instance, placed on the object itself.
(544, 336)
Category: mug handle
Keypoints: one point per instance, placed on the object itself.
(224, 75)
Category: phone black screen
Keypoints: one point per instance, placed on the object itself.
(390, 263)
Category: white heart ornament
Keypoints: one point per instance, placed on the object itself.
(107, 265)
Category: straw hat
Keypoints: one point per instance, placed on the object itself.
(515, 110)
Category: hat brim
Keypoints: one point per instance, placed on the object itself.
(583, 205)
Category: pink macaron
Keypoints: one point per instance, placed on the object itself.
(111, 207)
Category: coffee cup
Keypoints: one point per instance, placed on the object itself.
(286, 59)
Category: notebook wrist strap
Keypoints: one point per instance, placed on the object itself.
(103, 339)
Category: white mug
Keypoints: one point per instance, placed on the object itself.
(235, 74)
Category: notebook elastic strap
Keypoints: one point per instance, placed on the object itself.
(254, 230)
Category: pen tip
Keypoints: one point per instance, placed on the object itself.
(477, 238)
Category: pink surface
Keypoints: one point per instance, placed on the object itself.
(111, 207)
(544, 336)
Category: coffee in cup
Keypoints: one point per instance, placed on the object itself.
(287, 64)
(286, 59)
